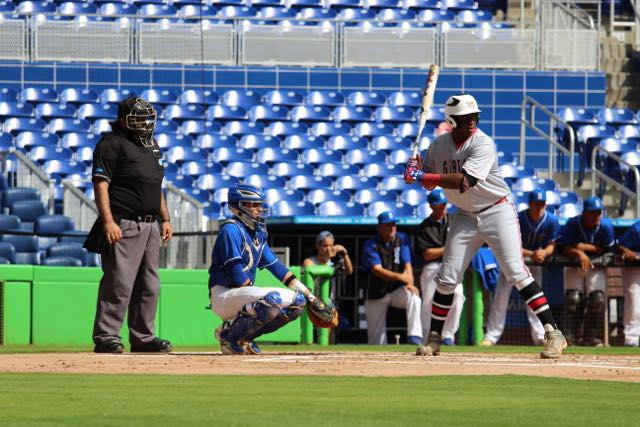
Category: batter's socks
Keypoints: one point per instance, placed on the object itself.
(439, 310)
(537, 302)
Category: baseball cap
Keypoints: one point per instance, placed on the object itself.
(386, 217)
(537, 196)
(323, 235)
(437, 197)
(592, 204)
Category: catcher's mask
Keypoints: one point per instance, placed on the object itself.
(241, 199)
(140, 118)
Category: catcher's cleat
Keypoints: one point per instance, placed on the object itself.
(554, 344)
(228, 348)
(252, 348)
(432, 347)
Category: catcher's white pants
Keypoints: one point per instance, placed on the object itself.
(428, 288)
(500, 304)
(631, 319)
(376, 312)
(585, 281)
(227, 302)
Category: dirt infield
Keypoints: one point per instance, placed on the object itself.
(607, 367)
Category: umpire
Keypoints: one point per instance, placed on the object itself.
(127, 180)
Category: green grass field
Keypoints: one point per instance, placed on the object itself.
(211, 400)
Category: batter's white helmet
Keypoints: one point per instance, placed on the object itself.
(459, 105)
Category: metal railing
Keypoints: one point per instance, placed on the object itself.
(29, 174)
(595, 172)
(76, 205)
(532, 105)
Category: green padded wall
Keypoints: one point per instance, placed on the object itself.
(15, 306)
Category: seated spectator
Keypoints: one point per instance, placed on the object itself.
(331, 254)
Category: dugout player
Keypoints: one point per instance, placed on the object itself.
(240, 249)
(629, 245)
(583, 237)
(429, 247)
(387, 259)
(539, 231)
(464, 163)
(127, 180)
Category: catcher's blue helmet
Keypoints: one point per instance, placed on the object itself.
(239, 198)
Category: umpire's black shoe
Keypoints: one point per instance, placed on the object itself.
(111, 346)
(156, 345)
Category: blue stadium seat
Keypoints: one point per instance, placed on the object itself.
(381, 170)
(554, 200)
(361, 157)
(186, 154)
(194, 128)
(616, 117)
(421, 4)
(51, 224)
(152, 10)
(611, 167)
(390, 143)
(357, 14)
(199, 97)
(286, 169)
(313, 156)
(48, 110)
(61, 261)
(302, 142)
(95, 111)
(9, 222)
(273, 155)
(7, 253)
(366, 99)
(577, 116)
(399, 156)
(27, 140)
(277, 12)
(327, 129)
(26, 248)
(335, 170)
(117, 8)
(569, 197)
(8, 95)
(414, 196)
(591, 134)
(215, 181)
(15, 109)
(274, 195)
(225, 113)
(210, 142)
(6, 141)
(286, 128)
(405, 99)
(265, 181)
(268, 113)
(395, 183)
(197, 11)
(569, 210)
(399, 209)
(366, 129)
(288, 208)
(258, 141)
(75, 96)
(283, 97)
(457, 5)
(338, 208)
(15, 125)
(242, 169)
(36, 95)
(172, 140)
(68, 249)
(506, 158)
(344, 4)
(528, 184)
(196, 168)
(114, 96)
(512, 173)
(352, 114)
(629, 131)
(354, 183)
(61, 168)
(160, 97)
(474, 16)
(179, 180)
(309, 182)
(178, 113)
(41, 154)
(202, 196)
(315, 13)
(324, 97)
(306, 113)
(345, 142)
(13, 194)
(381, 4)
(231, 11)
(368, 195)
(27, 210)
(165, 126)
(435, 16)
(225, 155)
(299, 4)
(436, 116)
(68, 125)
(396, 15)
(241, 98)
(321, 195)
(423, 210)
(242, 127)
(84, 154)
(394, 114)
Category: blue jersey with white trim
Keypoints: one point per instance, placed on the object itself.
(574, 232)
(537, 235)
(631, 238)
(235, 243)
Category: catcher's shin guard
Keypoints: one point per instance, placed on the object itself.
(594, 318)
(285, 316)
(573, 310)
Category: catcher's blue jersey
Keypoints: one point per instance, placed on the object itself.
(236, 243)
(538, 235)
(574, 232)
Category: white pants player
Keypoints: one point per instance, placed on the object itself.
(631, 278)
(428, 288)
(585, 281)
(500, 304)
(227, 302)
(376, 312)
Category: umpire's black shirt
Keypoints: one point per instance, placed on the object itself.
(134, 173)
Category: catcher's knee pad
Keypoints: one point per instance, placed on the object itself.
(295, 309)
(596, 301)
(572, 300)
(266, 308)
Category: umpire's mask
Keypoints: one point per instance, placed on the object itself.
(140, 119)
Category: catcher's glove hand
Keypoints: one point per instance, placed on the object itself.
(323, 315)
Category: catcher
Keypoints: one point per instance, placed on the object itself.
(248, 311)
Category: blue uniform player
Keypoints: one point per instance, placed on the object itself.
(585, 236)
(630, 248)
(539, 231)
(240, 249)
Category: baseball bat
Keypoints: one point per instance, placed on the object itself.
(427, 100)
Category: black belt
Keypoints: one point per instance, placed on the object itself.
(502, 200)
(141, 218)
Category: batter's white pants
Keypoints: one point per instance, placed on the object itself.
(500, 304)
(227, 302)
(631, 318)
(498, 226)
(585, 281)
(376, 312)
(428, 288)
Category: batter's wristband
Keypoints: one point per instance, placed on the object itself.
(291, 278)
(430, 180)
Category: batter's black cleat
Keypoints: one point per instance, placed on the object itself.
(156, 345)
(432, 346)
(110, 346)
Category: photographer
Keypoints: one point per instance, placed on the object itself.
(328, 253)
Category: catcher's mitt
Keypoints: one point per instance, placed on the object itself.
(323, 315)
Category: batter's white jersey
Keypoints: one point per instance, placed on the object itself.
(479, 159)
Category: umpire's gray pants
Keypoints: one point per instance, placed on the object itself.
(130, 280)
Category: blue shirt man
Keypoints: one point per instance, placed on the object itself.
(630, 247)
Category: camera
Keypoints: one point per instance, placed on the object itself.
(338, 262)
